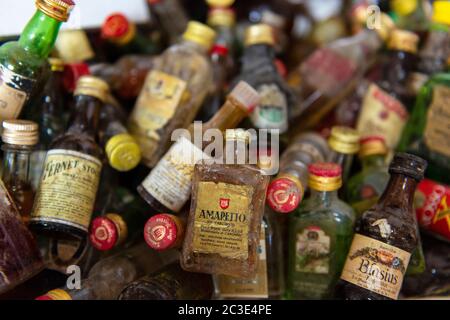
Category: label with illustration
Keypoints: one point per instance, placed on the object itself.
(432, 203)
(222, 219)
(437, 129)
(156, 105)
(171, 180)
(255, 287)
(382, 115)
(68, 187)
(312, 251)
(272, 111)
(14, 92)
(376, 266)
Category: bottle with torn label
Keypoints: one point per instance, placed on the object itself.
(168, 186)
(227, 206)
(385, 237)
(65, 199)
(173, 92)
(320, 234)
(22, 61)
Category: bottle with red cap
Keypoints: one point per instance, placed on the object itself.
(164, 231)
(321, 230)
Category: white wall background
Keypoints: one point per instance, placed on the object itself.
(87, 13)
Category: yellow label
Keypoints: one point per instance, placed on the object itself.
(156, 105)
(254, 287)
(11, 101)
(68, 188)
(376, 266)
(382, 115)
(222, 219)
(437, 129)
(73, 46)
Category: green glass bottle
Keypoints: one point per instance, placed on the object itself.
(321, 231)
(21, 62)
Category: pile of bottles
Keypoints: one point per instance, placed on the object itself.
(276, 149)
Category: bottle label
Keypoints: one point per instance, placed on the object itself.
(222, 219)
(271, 112)
(74, 46)
(68, 187)
(382, 115)
(375, 266)
(312, 251)
(437, 129)
(432, 202)
(255, 287)
(171, 180)
(156, 105)
(14, 92)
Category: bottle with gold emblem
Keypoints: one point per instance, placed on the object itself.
(173, 93)
(65, 199)
(165, 231)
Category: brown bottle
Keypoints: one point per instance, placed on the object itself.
(385, 236)
(66, 195)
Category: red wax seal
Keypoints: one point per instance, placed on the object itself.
(115, 26)
(73, 72)
(161, 232)
(103, 234)
(325, 169)
(283, 195)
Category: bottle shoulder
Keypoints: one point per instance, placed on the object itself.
(78, 142)
(336, 209)
(18, 60)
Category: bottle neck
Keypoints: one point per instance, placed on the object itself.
(399, 192)
(53, 95)
(229, 116)
(86, 115)
(16, 164)
(325, 197)
(344, 160)
(40, 34)
(262, 54)
(194, 45)
(373, 161)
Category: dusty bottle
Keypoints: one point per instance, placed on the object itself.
(173, 92)
(66, 195)
(227, 206)
(320, 234)
(164, 231)
(168, 186)
(286, 191)
(21, 61)
(385, 237)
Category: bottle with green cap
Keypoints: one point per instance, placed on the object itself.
(321, 230)
(173, 92)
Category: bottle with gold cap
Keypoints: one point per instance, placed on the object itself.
(65, 199)
(260, 71)
(344, 144)
(320, 233)
(21, 61)
(173, 92)
(19, 139)
(364, 188)
(387, 102)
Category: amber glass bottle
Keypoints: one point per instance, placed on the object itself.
(69, 183)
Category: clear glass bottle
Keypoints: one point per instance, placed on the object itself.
(321, 230)
(173, 92)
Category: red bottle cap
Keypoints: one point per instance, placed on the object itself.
(104, 234)
(162, 231)
(324, 169)
(115, 26)
(72, 72)
(284, 194)
(370, 139)
(219, 49)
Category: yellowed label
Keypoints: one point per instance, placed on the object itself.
(156, 105)
(376, 266)
(437, 129)
(254, 287)
(222, 218)
(312, 251)
(74, 46)
(11, 102)
(382, 115)
(68, 188)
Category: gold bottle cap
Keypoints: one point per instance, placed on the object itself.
(220, 3)
(200, 33)
(325, 176)
(441, 12)
(259, 34)
(402, 40)
(221, 17)
(385, 27)
(20, 132)
(123, 152)
(344, 140)
(404, 7)
(56, 64)
(373, 145)
(92, 86)
(56, 9)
